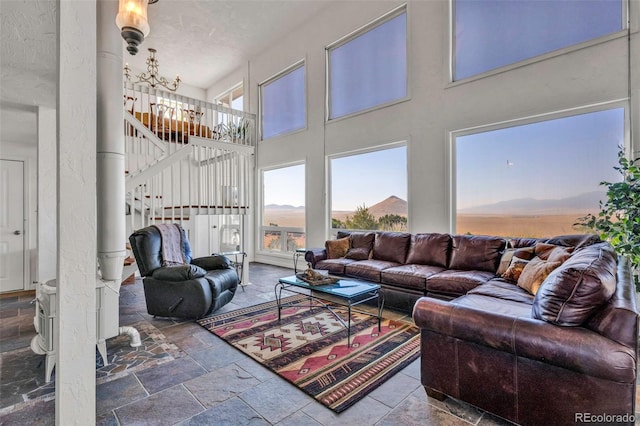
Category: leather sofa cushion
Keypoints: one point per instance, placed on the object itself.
(334, 266)
(574, 240)
(456, 282)
(502, 289)
(391, 246)
(361, 245)
(368, 269)
(476, 252)
(576, 289)
(429, 249)
(409, 276)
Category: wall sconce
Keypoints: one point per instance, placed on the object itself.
(132, 22)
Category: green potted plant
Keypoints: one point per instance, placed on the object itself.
(619, 218)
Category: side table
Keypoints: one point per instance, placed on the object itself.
(238, 263)
(296, 255)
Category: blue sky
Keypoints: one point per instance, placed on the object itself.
(547, 160)
(368, 178)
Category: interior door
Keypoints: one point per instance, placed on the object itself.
(11, 225)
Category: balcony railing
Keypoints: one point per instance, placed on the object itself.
(282, 239)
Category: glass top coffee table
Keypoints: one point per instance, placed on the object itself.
(346, 293)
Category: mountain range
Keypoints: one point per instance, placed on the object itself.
(390, 205)
(581, 203)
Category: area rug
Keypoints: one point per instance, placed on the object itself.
(308, 347)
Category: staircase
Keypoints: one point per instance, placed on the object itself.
(184, 158)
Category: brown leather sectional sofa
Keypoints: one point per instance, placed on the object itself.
(566, 355)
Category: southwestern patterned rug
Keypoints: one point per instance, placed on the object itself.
(308, 347)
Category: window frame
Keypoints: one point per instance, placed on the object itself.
(295, 66)
(260, 219)
(330, 232)
(451, 171)
(403, 8)
(452, 82)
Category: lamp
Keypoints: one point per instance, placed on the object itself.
(132, 22)
(152, 79)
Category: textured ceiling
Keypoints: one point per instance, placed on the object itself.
(201, 40)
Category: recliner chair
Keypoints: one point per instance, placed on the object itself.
(191, 290)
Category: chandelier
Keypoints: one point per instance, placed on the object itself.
(152, 78)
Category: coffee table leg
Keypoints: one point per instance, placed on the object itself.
(278, 290)
(349, 325)
(380, 307)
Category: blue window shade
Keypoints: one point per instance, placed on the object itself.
(369, 70)
(494, 33)
(284, 104)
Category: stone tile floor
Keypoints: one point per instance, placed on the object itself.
(188, 376)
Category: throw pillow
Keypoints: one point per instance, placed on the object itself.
(515, 269)
(542, 250)
(337, 248)
(534, 273)
(560, 254)
(525, 253)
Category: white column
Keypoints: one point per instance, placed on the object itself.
(47, 238)
(76, 307)
(110, 145)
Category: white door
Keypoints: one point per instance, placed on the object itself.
(11, 225)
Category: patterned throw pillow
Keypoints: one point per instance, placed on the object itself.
(525, 253)
(515, 269)
(337, 248)
(534, 273)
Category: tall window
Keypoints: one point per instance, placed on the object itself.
(283, 102)
(494, 33)
(369, 190)
(369, 68)
(234, 99)
(537, 179)
(283, 209)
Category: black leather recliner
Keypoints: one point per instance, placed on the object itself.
(192, 290)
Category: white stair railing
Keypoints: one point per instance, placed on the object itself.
(204, 178)
(185, 157)
(175, 119)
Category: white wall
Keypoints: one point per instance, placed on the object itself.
(577, 78)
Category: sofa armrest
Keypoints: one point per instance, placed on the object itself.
(178, 273)
(210, 263)
(572, 348)
(315, 255)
